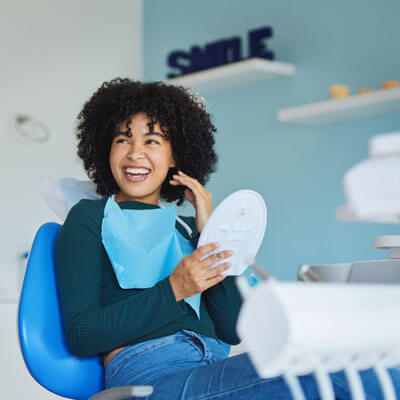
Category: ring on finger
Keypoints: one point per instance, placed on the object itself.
(219, 255)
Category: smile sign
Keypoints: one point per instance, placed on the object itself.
(219, 53)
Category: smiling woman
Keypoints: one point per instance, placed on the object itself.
(134, 139)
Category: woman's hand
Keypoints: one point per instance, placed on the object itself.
(192, 276)
(200, 198)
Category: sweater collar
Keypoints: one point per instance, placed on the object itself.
(134, 205)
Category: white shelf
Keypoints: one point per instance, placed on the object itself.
(235, 74)
(344, 213)
(352, 107)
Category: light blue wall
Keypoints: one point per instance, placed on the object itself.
(297, 170)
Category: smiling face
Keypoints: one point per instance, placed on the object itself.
(140, 158)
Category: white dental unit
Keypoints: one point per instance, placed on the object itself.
(341, 316)
(372, 189)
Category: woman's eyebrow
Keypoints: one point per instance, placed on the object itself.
(129, 134)
(123, 133)
(154, 133)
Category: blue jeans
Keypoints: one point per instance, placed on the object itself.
(191, 366)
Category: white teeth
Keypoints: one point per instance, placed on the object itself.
(136, 171)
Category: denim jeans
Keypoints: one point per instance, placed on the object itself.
(191, 366)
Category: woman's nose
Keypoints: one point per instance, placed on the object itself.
(136, 151)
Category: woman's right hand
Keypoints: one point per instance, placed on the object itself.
(191, 275)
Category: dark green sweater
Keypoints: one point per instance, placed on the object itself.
(99, 316)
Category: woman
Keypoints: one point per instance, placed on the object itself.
(141, 143)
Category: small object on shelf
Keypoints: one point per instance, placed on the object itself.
(365, 90)
(390, 84)
(353, 107)
(339, 91)
(220, 52)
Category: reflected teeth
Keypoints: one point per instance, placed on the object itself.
(137, 171)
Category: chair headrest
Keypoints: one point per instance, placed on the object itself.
(63, 193)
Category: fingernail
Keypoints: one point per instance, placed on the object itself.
(230, 252)
(180, 172)
(216, 244)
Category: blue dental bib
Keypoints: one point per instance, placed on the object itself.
(143, 246)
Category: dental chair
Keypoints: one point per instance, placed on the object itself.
(41, 335)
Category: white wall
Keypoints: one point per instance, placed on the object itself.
(54, 55)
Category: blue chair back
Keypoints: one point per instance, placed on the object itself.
(40, 330)
(41, 335)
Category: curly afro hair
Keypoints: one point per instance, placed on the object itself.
(182, 117)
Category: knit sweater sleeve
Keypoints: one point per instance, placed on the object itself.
(223, 301)
(89, 327)
(223, 304)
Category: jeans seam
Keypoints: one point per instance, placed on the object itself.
(211, 396)
(337, 382)
(215, 395)
(193, 344)
(139, 354)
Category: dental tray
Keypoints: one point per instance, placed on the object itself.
(367, 271)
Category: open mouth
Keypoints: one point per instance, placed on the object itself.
(136, 174)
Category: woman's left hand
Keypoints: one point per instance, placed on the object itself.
(200, 198)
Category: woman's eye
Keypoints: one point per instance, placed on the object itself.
(151, 141)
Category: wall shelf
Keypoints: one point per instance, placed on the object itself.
(235, 74)
(349, 108)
